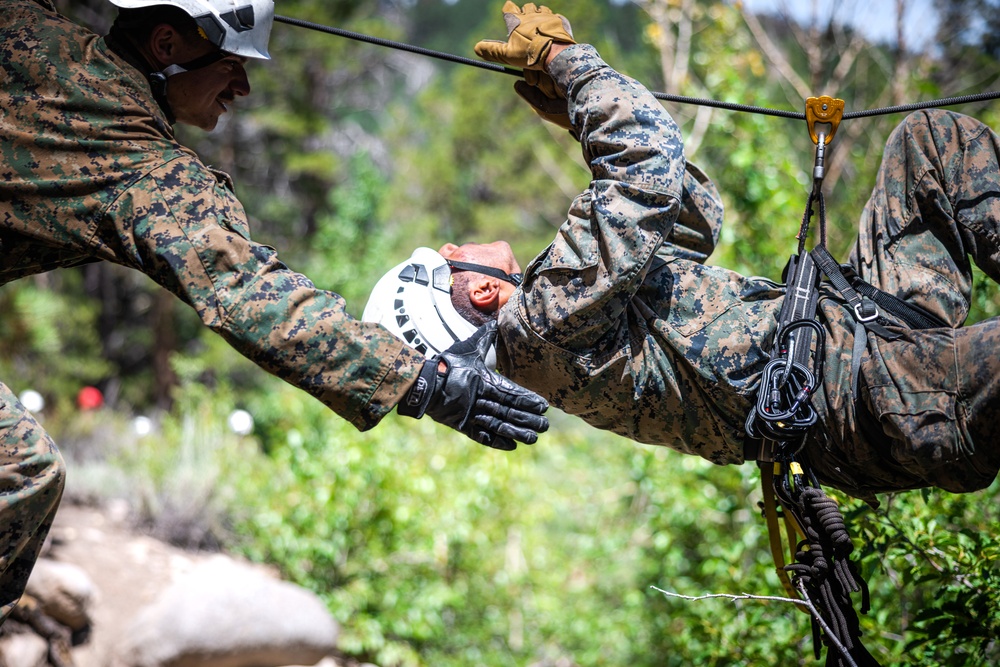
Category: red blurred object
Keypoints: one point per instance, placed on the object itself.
(90, 398)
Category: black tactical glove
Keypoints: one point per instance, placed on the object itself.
(471, 398)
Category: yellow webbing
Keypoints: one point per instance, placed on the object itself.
(774, 536)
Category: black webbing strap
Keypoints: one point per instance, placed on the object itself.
(908, 313)
(801, 299)
(865, 311)
(512, 278)
(783, 413)
(865, 301)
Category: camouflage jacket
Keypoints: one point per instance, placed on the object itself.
(90, 170)
(620, 322)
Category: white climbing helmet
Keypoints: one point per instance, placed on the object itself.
(239, 27)
(413, 301)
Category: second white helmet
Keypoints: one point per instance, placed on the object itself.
(240, 27)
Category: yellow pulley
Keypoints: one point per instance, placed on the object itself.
(823, 110)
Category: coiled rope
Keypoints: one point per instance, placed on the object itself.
(679, 99)
(829, 584)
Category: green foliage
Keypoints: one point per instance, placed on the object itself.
(40, 324)
(350, 246)
(454, 554)
(937, 558)
(985, 297)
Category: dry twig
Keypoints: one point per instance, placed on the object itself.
(804, 602)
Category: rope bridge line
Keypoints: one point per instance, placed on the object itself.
(679, 99)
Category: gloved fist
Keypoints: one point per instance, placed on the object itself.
(539, 90)
(530, 33)
(474, 400)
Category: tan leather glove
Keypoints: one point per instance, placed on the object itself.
(540, 91)
(530, 33)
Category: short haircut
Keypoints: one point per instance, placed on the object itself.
(460, 299)
(138, 24)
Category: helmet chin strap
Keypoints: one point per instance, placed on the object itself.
(158, 80)
(512, 278)
(123, 46)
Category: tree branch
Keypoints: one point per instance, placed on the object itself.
(804, 602)
(730, 596)
(774, 54)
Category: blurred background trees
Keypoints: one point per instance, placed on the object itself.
(433, 551)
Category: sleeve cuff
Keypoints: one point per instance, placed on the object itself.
(573, 62)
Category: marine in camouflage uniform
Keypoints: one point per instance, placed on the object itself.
(90, 170)
(620, 322)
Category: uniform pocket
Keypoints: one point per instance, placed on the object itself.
(912, 386)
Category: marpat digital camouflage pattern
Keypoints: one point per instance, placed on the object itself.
(620, 322)
(90, 170)
(32, 476)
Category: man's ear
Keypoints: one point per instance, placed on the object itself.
(164, 43)
(484, 293)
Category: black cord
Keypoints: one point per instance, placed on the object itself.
(916, 106)
(378, 41)
(681, 99)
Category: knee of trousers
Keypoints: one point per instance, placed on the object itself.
(55, 476)
(52, 478)
(928, 119)
(939, 134)
(42, 480)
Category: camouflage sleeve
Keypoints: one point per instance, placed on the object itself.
(181, 227)
(582, 284)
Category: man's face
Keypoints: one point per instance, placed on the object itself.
(200, 96)
(497, 254)
(484, 294)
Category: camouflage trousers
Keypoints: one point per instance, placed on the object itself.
(32, 475)
(929, 401)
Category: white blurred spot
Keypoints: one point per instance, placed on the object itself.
(142, 426)
(241, 422)
(32, 400)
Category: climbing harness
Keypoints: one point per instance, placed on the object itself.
(819, 567)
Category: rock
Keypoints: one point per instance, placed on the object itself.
(23, 650)
(64, 591)
(227, 614)
(325, 662)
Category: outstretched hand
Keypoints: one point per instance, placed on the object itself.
(540, 92)
(531, 30)
(474, 400)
